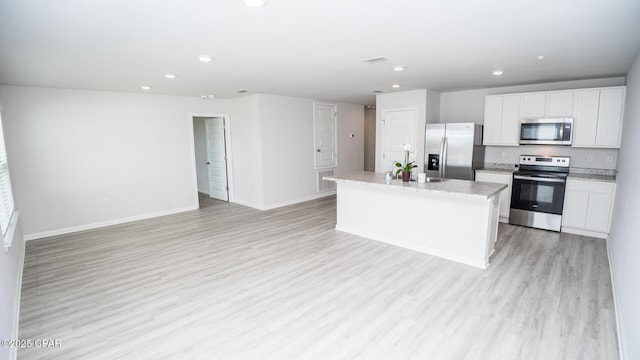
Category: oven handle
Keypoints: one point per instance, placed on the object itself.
(520, 177)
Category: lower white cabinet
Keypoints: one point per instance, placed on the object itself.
(587, 207)
(505, 195)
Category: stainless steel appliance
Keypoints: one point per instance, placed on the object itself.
(453, 150)
(538, 187)
(555, 131)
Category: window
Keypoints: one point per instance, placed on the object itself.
(7, 206)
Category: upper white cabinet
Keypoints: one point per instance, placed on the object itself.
(546, 104)
(598, 117)
(533, 105)
(559, 103)
(501, 120)
(597, 114)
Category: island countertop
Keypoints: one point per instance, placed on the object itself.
(463, 188)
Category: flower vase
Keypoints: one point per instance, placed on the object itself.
(406, 176)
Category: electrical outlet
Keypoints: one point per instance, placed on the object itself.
(589, 159)
(106, 201)
(504, 155)
(610, 159)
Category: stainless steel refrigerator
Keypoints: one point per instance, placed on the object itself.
(454, 150)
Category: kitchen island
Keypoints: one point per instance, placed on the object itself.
(452, 219)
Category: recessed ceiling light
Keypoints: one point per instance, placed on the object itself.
(145, 87)
(255, 3)
(541, 57)
(170, 76)
(205, 58)
(497, 72)
(398, 68)
(395, 86)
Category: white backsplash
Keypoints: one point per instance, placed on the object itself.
(580, 157)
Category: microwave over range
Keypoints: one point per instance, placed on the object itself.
(549, 131)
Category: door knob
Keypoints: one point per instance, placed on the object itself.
(208, 163)
(318, 150)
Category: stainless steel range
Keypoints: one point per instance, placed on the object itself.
(537, 198)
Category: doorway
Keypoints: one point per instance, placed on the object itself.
(211, 157)
(398, 131)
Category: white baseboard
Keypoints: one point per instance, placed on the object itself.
(300, 200)
(247, 204)
(584, 232)
(423, 249)
(615, 302)
(284, 203)
(73, 229)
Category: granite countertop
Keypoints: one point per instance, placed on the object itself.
(497, 170)
(592, 177)
(462, 188)
(577, 173)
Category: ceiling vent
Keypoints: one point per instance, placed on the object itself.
(378, 91)
(375, 60)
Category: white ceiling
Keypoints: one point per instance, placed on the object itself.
(312, 48)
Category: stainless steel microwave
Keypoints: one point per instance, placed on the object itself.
(550, 131)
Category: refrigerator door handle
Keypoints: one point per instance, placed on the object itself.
(441, 158)
(444, 157)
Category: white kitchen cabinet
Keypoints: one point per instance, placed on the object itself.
(501, 120)
(533, 105)
(492, 120)
(588, 206)
(559, 103)
(585, 120)
(610, 118)
(598, 117)
(505, 195)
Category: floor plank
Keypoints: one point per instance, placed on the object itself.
(230, 282)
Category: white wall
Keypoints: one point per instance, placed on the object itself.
(624, 239)
(246, 151)
(84, 159)
(10, 281)
(11, 262)
(200, 145)
(468, 106)
(419, 100)
(369, 139)
(287, 128)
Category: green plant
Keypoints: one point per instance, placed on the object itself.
(408, 165)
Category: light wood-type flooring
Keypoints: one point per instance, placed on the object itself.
(230, 282)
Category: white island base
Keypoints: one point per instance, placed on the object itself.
(455, 219)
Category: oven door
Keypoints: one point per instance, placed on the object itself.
(546, 131)
(539, 194)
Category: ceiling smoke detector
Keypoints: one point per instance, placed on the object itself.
(375, 60)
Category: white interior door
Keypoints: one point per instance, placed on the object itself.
(399, 129)
(217, 159)
(325, 135)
